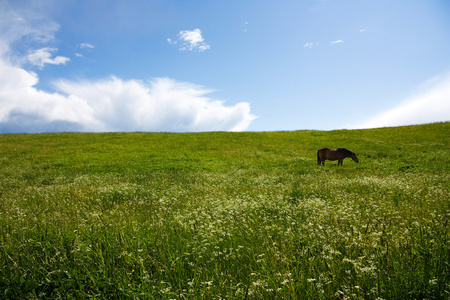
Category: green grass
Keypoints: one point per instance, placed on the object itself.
(226, 215)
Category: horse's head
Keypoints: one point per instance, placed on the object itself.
(354, 157)
(347, 153)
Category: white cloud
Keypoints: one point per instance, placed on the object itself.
(190, 40)
(86, 46)
(162, 104)
(113, 104)
(308, 45)
(431, 104)
(82, 48)
(23, 108)
(336, 42)
(43, 56)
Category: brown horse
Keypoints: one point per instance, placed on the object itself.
(338, 154)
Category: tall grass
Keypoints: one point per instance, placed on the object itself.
(225, 215)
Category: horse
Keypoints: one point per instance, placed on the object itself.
(337, 154)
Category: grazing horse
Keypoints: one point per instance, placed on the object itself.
(338, 154)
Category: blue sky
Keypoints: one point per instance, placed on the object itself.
(167, 65)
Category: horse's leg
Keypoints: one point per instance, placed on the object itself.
(340, 162)
(319, 159)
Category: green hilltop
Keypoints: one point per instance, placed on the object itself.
(242, 215)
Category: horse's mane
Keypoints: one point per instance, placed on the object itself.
(344, 150)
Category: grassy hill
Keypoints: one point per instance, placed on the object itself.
(226, 215)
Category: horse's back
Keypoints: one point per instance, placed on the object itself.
(323, 150)
(327, 153)
(344, 151)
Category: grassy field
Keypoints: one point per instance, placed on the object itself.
(226, 215)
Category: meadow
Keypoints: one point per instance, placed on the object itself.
(222, 215)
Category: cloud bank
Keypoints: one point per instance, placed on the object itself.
(431, 104)
(112, 104)
(109, 104)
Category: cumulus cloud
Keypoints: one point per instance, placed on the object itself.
(308, 45)
(431, 104)
(43, 56)
(23, 108)
(113, 104)
(190, 40)
(161, 104)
